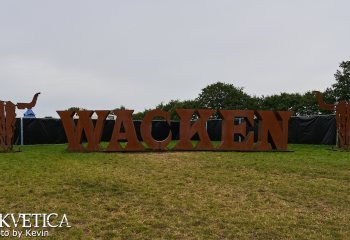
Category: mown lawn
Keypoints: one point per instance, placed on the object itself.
(303, 194)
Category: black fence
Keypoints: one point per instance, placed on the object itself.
(302, 130)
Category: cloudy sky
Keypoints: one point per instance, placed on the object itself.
(103, 54)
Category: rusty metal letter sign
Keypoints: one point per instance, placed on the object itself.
(342, 116)
(272, 131)
(8, 121)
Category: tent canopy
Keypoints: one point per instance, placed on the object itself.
(29, 114)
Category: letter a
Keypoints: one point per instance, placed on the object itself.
(124, 118)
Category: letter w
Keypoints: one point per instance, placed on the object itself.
(74, 132)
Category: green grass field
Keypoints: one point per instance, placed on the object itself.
(303, 194)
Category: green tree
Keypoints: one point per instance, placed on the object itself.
(309, 105)
(122, 107)
(341, 89)
(300, 104)
(172, 105)
(76, 109)
(223, 96)
(139, 115)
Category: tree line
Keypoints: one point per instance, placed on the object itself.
(221, 95)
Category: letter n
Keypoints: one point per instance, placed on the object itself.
(74, 132)
(273, 130)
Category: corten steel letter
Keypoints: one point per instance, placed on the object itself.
(274, 125)
(273, 130)
(8, 121)
(342, 116)
(2, 125)
(229, 129)
(74, 132)
(10, 124)
(93, 134)
(69, 129)
(187, 131)
(146, 130)
(124, 118)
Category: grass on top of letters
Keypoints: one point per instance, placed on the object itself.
(302, 194)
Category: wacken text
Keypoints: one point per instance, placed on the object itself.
(272, 130)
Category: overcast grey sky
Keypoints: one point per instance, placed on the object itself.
(103, 54)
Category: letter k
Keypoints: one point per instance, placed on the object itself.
(3, 222)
